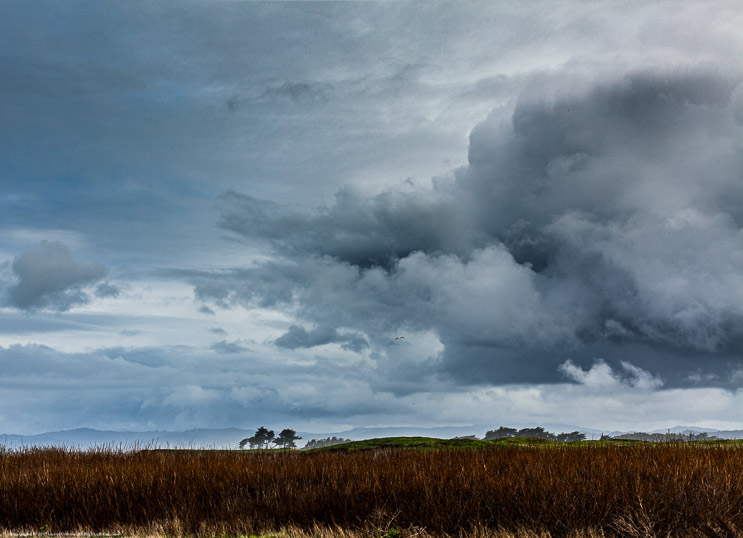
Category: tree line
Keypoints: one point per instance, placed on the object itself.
(265, 438)
(541, 433)
(328, 441)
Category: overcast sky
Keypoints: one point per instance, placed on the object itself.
(327, 215)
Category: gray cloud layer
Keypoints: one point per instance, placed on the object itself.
(597, 214)
(182, 387)
(600, 217)
(50, 277)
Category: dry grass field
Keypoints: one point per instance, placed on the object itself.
(594, 490)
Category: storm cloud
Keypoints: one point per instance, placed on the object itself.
(50, 277)
(326, 215)
(590, 216)
(299, 337)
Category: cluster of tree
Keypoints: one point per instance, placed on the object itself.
(329, 441)
(663, 437)
(503, 433)
(265, 438)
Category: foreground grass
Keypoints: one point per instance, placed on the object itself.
(374, 488)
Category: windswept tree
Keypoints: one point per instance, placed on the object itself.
(538, 432)
(571, 437)
(500, 433)
(286, 438)
(321, 443)
(504, 433)
(262, 438)
(252, 441)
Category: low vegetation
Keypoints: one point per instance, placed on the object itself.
(323, 443)
(393, 487)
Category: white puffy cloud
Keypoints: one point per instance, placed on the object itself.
(601, 375)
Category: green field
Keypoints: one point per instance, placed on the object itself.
(432, 443)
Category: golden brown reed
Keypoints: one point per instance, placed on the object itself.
(661, 490)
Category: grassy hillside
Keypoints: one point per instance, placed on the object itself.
(419, 443)
(432, 443)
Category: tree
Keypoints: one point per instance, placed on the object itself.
(536, 432)
(500, 433)
(245, 442)
(286, 438)
(330, 441)
(571, 437)
(262, 438)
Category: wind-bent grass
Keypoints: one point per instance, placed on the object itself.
(488, 490)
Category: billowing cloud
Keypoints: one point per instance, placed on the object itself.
(50, 277)
(505, 186)
(601, 215)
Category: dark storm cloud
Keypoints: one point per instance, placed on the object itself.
(356, 229)
(590, 217)
(299, 337)
(50, 277)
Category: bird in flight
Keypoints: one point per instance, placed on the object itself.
(399, 338)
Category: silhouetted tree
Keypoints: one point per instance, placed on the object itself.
(500, 433)
(329, 441)
(536, 432)
(262, 438)
(571, 437)
(286, 438)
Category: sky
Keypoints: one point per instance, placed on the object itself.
(324, 215)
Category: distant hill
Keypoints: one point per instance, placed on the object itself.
(87, 437)
(230, 437)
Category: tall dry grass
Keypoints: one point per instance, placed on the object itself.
(667, 490)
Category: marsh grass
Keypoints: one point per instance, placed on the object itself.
(520, 490)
